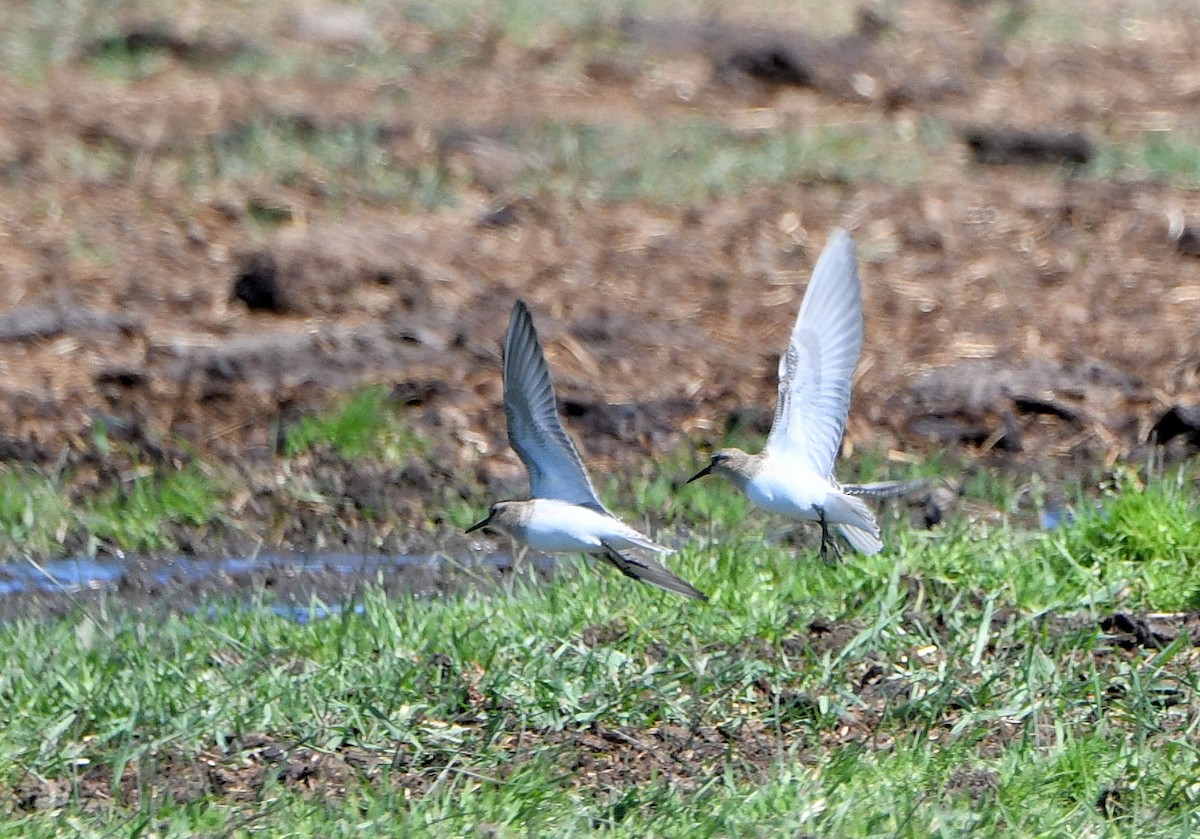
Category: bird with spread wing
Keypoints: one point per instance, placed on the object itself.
(793, 475)
(563, 512)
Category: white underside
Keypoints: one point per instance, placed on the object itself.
(558, 526)
(795, 491)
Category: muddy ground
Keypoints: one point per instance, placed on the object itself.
(1020, 306)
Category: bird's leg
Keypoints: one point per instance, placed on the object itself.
(829, 546)
(519, 553)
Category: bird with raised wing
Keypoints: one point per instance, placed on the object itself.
(563, 512)
(793, 475)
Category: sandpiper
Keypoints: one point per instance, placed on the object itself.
(564, 512)
(793, 475)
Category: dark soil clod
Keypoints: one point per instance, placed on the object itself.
(1187, 243)
(997, 146)
(773, 63)
(1179, 421)
(257, 284)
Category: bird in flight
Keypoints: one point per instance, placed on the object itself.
(563, 512)
(793, 475)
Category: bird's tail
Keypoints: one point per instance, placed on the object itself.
(635, 538)
(884, 489)
(864, 540)
(855, 521)
(652, 572)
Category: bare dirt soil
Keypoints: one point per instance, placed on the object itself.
(166, 283)
(1018, 306)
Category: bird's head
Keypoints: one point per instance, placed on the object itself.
(502, 516)
(732, 464)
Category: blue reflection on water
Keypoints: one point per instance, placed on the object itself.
(64, 575)
(307, 614)
(69, 576)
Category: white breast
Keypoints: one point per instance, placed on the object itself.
(557, 526)
(793, 492)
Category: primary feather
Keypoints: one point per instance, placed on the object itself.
(816, 370)
(534, 429)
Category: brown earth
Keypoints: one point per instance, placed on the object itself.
(1029, 312)
(1014, 305)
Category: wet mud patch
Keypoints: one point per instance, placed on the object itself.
(196, 257)
(300, 588)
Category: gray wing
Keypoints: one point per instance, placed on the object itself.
(816, 369)
(534, 429)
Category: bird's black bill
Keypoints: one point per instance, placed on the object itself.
(706, 470)
(479, 524)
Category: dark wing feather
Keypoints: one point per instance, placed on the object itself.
(534, 429)
(652, 572)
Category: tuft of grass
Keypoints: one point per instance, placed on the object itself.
(365, 425)
(1135, 534)
(691, 160)
(1172, 156)
(139, 514)
(926, 691)
(33, 511)
(523, 22)
(347, 160)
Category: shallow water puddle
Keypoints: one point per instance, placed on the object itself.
(303, 587)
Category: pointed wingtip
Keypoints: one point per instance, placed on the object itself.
(839, 239)
(522, 337)
(520, 313)
(652, 573)
(835, 282)
(677, 585)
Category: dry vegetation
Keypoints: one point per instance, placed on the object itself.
(386, 180)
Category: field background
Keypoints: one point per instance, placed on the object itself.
(256, 260)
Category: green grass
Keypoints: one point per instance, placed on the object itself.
(688, 160)
(145, 507)
(504, 713)
(137, 514)
(694, 159)
(346, 160)
(34, 510)
(1070, 22)
(1172, 156)
(362, 425)
(134, 512)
